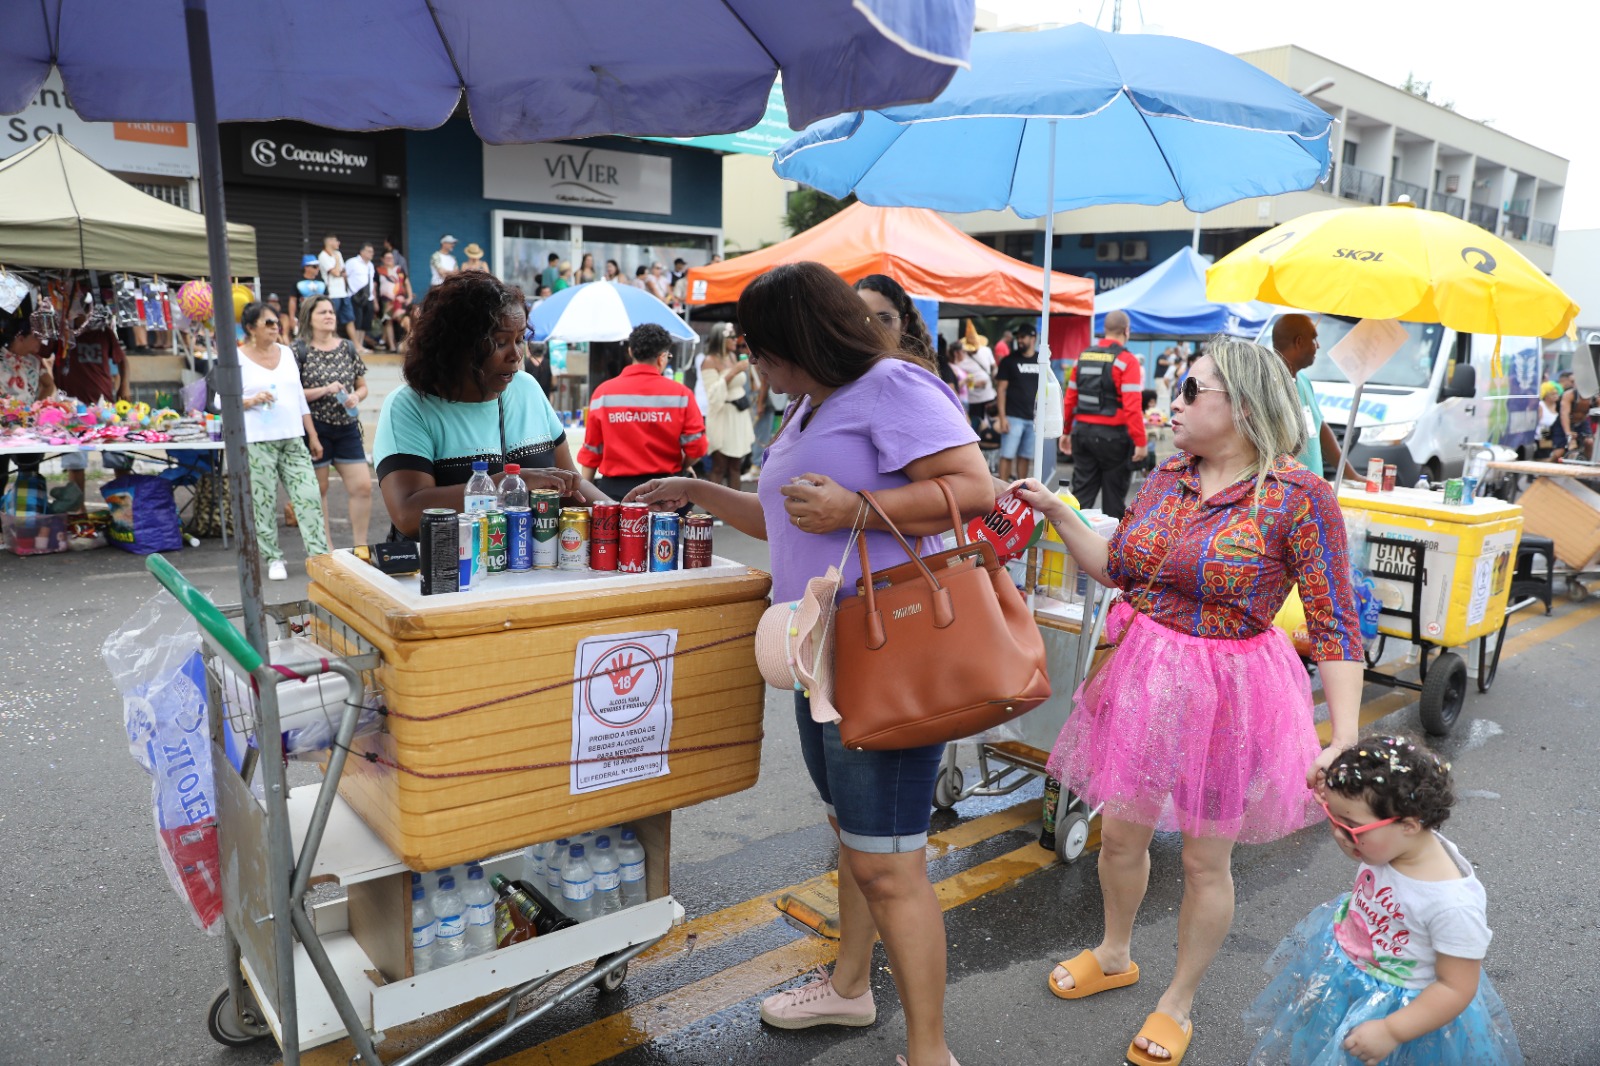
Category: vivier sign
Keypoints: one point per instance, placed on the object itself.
(310, 158)
(575, 176)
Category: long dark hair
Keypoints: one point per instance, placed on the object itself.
(805, 314)
(913, 339)
(452, 333)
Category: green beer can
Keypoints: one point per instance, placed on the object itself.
(496, 555)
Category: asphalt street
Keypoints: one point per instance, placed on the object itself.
(103, 966)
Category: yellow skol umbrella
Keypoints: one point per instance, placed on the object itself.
(1395, 262)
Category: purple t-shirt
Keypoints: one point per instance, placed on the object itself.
(863, 436)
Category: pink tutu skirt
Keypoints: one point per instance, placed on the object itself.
(1209, 737)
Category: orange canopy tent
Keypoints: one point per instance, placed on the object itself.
(917, 248)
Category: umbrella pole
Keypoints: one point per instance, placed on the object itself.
(1349, 437)
(228, 383)
(1043, 347)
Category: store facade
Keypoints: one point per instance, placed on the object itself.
(297, 183)
(633, 201)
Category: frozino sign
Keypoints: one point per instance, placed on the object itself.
(310, 158)
(578, 176)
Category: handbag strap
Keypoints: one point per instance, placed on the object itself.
(943, 607)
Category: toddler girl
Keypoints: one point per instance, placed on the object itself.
(1390, 972)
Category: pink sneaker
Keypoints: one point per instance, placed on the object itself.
(816, 1003)
(900, 1060)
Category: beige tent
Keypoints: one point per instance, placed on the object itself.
(61, 210)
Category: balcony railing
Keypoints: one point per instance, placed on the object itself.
(1516, 226)
(1483, 215)
(1418, 193)
(1329, 184)
(1450, 205)
(1362, 186)
(1542, 233)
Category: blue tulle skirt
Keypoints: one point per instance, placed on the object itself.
(1317, 996)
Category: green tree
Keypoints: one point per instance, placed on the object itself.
(807, 207)
(1423, 90)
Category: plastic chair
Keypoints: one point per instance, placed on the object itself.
(187, 469)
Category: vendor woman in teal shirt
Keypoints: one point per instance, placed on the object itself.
(467, 399)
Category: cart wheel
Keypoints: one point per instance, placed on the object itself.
(1577, 591)
(1072, 833)
(947, 787)
(1443, 693)
(225, 1028)
(612, 980)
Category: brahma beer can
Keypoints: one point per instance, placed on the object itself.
(573, 553)
(604, 528)
(546, 505)
(663, 541)
(697, 541)
(519, 539)
(438, 540)
(633, 538)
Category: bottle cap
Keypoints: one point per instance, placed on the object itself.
(416, 893)
(602, 842)
(628, 834)
(474, 873)
(577, 851)
(446, 884)
(513, 468)
(480, 464)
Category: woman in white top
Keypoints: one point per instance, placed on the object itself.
(730, 430)
(277, 425)
(978, 364)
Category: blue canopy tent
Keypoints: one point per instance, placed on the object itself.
(1168, 302)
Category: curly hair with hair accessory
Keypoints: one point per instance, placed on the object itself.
(452, 333)
(1398, 777)
(915, 344)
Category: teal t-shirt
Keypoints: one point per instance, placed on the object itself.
(444, 438)
(1311, 455)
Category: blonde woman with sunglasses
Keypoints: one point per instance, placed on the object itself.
(1201, 721)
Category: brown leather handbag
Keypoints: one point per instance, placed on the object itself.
(935, 649)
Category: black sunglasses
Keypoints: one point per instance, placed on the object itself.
(269, 323)
(1191, 390)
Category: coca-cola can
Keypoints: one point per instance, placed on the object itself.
(697, 541)
(604, 530)
(633, 538)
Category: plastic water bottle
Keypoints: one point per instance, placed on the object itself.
(533, 858)
(440, 875)
(1423, 484)
(479, 898)
(424, 931)
(607, 877)
(552, 867)
(480, 488)
(577, 885)
(630, 857)
(451, 945)
(513, 490)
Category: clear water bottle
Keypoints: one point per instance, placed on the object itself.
(577, 885)
(480, 488)
(513, 490)
(607, 877)
(630, 857)
(479, 898)
(553, 862)
(424, 931)
(1424, 484)
(533, 858)
(448, 907)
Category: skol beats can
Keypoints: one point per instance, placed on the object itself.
(573, 553)
(697, 541)
(633, 538)
(519, 539)
(664, 541)
(604, 528)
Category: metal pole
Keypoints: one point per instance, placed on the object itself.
(1043, 347)
(1194, 242)
(226, 378)
(1349, 435)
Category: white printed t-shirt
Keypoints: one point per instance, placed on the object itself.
(1394, 927)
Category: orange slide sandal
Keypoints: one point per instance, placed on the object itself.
(1163, 1029)
(1088, 978)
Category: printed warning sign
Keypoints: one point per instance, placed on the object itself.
(621, 709)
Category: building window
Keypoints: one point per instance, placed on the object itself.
(176, 195)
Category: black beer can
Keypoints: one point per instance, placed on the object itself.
(440, 546)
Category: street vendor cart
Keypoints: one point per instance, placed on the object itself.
(484, 702)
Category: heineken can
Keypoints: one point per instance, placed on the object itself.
(495, 522)
(574, 549)
(440, 555)
(519, 540)
(1452, 492)
(546, 505)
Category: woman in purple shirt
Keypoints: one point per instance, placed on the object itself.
(859, 418)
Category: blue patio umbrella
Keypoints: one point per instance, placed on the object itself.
(602, 311)
(1169, 300)
(1129, 118)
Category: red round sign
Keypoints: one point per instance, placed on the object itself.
(1011, 527)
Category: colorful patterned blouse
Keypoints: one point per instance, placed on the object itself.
(1225, 567)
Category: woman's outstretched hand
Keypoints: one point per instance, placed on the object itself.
(818, 504)
(552, 477)
(663, 494)
(1035, 495)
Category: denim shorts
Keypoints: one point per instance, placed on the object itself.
(882, 800)
(340, 443)
(1017, 439)
(344, 310)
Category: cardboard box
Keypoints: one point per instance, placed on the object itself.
(1569, 514)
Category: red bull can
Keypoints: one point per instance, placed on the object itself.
(573, 553)
(467, 549)
(604, 529)
(663, 542)
(633, 538)
(697, 530)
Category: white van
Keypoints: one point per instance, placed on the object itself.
(1439, 394)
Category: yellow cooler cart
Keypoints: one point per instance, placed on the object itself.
(1442, 575)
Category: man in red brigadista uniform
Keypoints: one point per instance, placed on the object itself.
(1104, 427)
(642, 425)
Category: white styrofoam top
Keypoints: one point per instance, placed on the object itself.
(1426, 503)
(535, 584)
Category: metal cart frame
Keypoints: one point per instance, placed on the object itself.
(1004, 766)
(277, 943)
